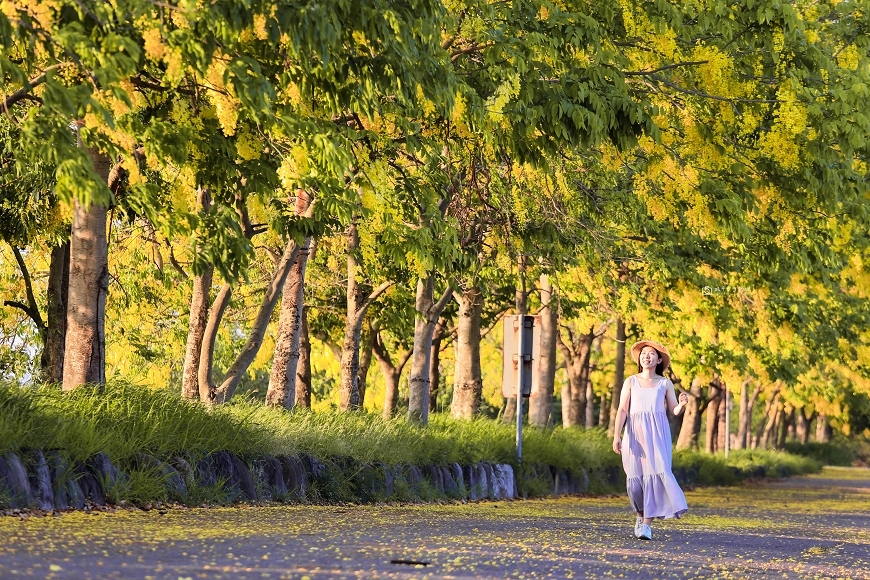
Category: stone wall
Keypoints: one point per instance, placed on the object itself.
(46, 481)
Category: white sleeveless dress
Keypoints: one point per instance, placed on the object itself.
(647, 455)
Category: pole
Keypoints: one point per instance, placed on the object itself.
(727, 422)
(520, 364)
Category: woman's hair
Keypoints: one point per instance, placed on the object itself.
(660, 368)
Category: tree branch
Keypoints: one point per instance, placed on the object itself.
(24, 92)
(471, 49)
(32, 308)
(704, 95)
(376, 293)
(638, 73)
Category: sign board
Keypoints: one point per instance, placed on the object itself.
(531, 354)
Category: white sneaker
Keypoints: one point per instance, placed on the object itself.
(645, 532)
(638, 523)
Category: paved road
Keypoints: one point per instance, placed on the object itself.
(810, 527)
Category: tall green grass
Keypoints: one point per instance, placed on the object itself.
(126, 419)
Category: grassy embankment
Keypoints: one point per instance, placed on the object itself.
(126, 420)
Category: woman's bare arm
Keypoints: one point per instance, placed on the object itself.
(671, 400)
(621, 415)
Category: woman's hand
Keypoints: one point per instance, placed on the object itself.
(617, 445)
(684, 399)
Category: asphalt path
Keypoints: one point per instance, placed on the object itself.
(807, 527)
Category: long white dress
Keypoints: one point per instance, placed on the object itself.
(647, 455)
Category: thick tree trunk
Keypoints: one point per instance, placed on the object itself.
(823, 429)
(357, 304)
(802, 425)
(541, 401)
(691, 427)
(367, 341)
(467, 378)
(713, 395)
(577, 352)
(435, 366)
(199, 301)
(427, 314)
(590, 405)
(207, 387)
(258, 330)
(349, 385)
(603, 409)
(769, 428)
(769, 412)
(55, 336)
(282, 378)
(590, 392)
(392, 372)
(785, 428)
(84, 358)
(745, 413)
(303, 369)
(618, 377)
(722, 427)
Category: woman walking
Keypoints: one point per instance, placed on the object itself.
(646, 446)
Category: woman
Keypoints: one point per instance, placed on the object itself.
(646, 448)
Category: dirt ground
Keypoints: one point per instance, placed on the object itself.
(808, 527)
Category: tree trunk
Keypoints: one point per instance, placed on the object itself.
(691, 427)
(785, 427)
(282, 378)
(619, 375)
(541, 401)
(392, 372)
(84, 358)
(745, 413)
(713, 394)
(207, 387)
(590, 392)
(769, 428)
(367, 341)
(603, 409)
(55, 336)
(199, 301)
(258, 330)
(576, 353)
(802, 427)
(435, 366)
(769, 412)
(467, 378)
(590, 405)
(722, 427)
(823, 429)
(303, 369)
(357, 304)
(792, 426)
(427, 313)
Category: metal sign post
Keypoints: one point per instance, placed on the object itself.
(520, 363)
(521, 354)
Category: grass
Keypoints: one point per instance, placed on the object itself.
(125, 420)
(841, 451)
(743, 463)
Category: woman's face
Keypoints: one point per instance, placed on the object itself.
(649, 358)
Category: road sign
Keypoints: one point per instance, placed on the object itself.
(531, 354)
